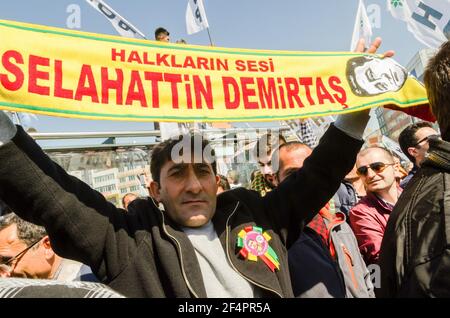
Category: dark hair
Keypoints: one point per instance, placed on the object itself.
(266, 143)
(161, 153)
(352, 64)
(437, 83)
(160, 31)
(26, 231)
(223, 182)
(407, 137)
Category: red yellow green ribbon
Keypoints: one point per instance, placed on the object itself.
(254, 243)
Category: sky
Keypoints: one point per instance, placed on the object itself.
(297, 25)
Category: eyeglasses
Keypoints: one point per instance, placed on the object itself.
(377, 167)
(426, 139)
(9, 260)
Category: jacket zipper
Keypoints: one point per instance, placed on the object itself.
(349, 261)
(333, 224)
(181, 257)
(231, 263)
(408, 221)
(348, 257)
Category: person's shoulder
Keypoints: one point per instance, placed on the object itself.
(362, 203)
(364, 206)
(238, 194)
(141, 211)
(141, 204)
(45, 288)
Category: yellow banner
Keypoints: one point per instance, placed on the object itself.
(68, 73)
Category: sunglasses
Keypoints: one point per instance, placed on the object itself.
(4, 260)
(426, 139)
(377, 167)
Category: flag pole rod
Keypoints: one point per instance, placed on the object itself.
(16, 115)
(209, 35)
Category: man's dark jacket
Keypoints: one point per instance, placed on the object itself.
(415, 252)
(143, 253)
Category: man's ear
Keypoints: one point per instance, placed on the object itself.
(397, 167)
(155, 191)
(412, 151)
(217, 179)
(48, 251)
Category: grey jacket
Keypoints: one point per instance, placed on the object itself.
(357, 279)
(315, 274)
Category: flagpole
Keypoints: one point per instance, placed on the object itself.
(209, 35)
(16, 115)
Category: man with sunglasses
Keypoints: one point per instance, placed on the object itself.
(26, 252)
(368, 218)
(415, 253)
(413, 141)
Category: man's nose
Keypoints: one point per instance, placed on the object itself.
(5, 271)
(193, 183)
(370, 173)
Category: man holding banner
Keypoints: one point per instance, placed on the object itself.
(189, 243)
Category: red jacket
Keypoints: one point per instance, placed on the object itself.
(368, 219)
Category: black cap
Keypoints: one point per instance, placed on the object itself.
(159, 31)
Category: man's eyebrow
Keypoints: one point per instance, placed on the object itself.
(201, 165)
(5, 259)
(177, 166)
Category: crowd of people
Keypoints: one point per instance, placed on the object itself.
(317, 221)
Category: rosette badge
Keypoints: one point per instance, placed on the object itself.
(254, 244)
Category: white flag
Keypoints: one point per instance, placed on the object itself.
(195, 17)
(122, 26)
(362, 28)
(428, 20)
(126, 29)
